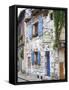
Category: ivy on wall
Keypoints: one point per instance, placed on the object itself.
(59, 19)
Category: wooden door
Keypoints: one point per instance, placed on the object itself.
(61, 67)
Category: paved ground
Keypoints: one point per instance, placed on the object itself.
(21, 80)
(28, 77)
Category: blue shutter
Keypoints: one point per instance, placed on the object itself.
(40, 25)
(48, 62)
(38, 57)
(30, 32)
(30, 29)
(32, 55)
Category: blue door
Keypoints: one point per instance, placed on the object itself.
(38, 57)
(40, 25)
(48, 62)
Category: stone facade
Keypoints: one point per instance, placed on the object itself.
(40, 59)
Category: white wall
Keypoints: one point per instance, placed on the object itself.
(4, 41)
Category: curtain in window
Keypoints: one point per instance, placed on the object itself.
(38, 57)
(40, 25)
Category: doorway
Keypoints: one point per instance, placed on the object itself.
(61, 67)
(47, 66)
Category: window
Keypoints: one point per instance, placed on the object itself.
(36, 58)
(35, 29)
(51, 16)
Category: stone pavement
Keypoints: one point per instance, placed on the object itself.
(21, 80)
(30, 77)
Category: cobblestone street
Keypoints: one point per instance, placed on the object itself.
(27, 77)
(21, 80)
(31, 77)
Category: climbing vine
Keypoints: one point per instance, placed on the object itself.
(59, 19)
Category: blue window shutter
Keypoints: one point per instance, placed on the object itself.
(48, 62)
(40, 25)
(30, 29)
(32, 55)
(38, 57)
(30, 32)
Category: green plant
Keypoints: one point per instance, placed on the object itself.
(59, 19)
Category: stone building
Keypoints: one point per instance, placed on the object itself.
(38, 35)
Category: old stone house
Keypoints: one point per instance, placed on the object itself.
(38, 35)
